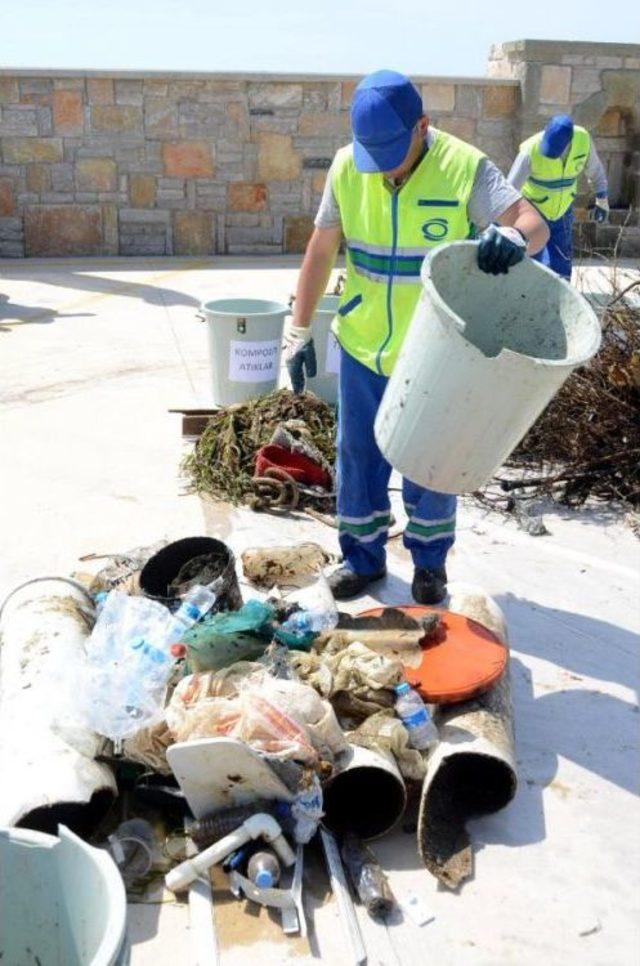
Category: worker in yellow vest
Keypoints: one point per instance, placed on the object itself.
(400, 189)
(547, 170)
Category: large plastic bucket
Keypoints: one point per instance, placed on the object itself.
(164, 567)
(482, 358)
(245, 339)
(325, 383)
(61, 901)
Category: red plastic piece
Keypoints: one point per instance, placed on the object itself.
(301, 468)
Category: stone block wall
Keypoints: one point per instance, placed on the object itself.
(195, 164)
(191, 164)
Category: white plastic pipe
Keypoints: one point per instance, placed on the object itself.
(44, 624)
(258, 826)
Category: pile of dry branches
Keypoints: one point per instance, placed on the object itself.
(587, 441)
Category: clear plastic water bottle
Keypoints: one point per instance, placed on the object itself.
(415, 716)
(309, 621)
(264, 870)
(197, 602)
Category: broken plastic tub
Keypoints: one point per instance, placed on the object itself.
(164, 566)
(48, 764)
(472, 770)
(61, 901)
(245, 339)
(482, 358)
(366, 796)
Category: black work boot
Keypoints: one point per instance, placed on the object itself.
(345, 583)
(429, 586)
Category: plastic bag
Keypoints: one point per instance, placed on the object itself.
(277, 717)
(222, 639)
(121, 685)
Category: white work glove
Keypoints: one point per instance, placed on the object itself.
(299, 356)
(600, 211)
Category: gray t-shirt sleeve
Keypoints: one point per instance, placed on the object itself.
(328, 215)
(491, 195)
(594, 170)
(520, 170)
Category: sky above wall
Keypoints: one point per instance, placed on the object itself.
(325, 36)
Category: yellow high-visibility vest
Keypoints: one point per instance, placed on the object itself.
(388, 233)
(552, 182)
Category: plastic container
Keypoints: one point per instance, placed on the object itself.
(264, 870)
(132, 847)
(415, 716)
(482, 358)
(164, 567)
(325, 383)
(245, 340)
(61, 901)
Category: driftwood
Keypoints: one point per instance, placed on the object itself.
(472, 771)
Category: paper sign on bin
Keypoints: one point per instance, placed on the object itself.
(253, 361)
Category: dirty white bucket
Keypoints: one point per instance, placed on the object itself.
(245, 339)
(325, 383)
(61, 901)
(482, 358)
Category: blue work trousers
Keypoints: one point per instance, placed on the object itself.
(558, 252)
(363, 483)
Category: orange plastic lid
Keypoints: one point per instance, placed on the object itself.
(462, 659)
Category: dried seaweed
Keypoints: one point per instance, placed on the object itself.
(222, 462)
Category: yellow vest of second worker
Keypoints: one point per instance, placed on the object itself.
(388, 233)
(552, 182)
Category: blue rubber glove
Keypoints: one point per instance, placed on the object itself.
(300, 357)
(600, 211)
(499, 249)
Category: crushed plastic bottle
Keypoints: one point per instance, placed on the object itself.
(368, 879)
(415, 716)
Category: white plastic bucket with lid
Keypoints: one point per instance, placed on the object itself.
(482, 358)
(245, 341)
(61, 901)
(325, 383)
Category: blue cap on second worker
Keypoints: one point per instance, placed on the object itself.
(557, 135)
(384, 111)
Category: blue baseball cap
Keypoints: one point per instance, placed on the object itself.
(557, 135)
(384, 111)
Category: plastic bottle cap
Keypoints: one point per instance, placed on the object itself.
(402, 688)
(264, 879)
